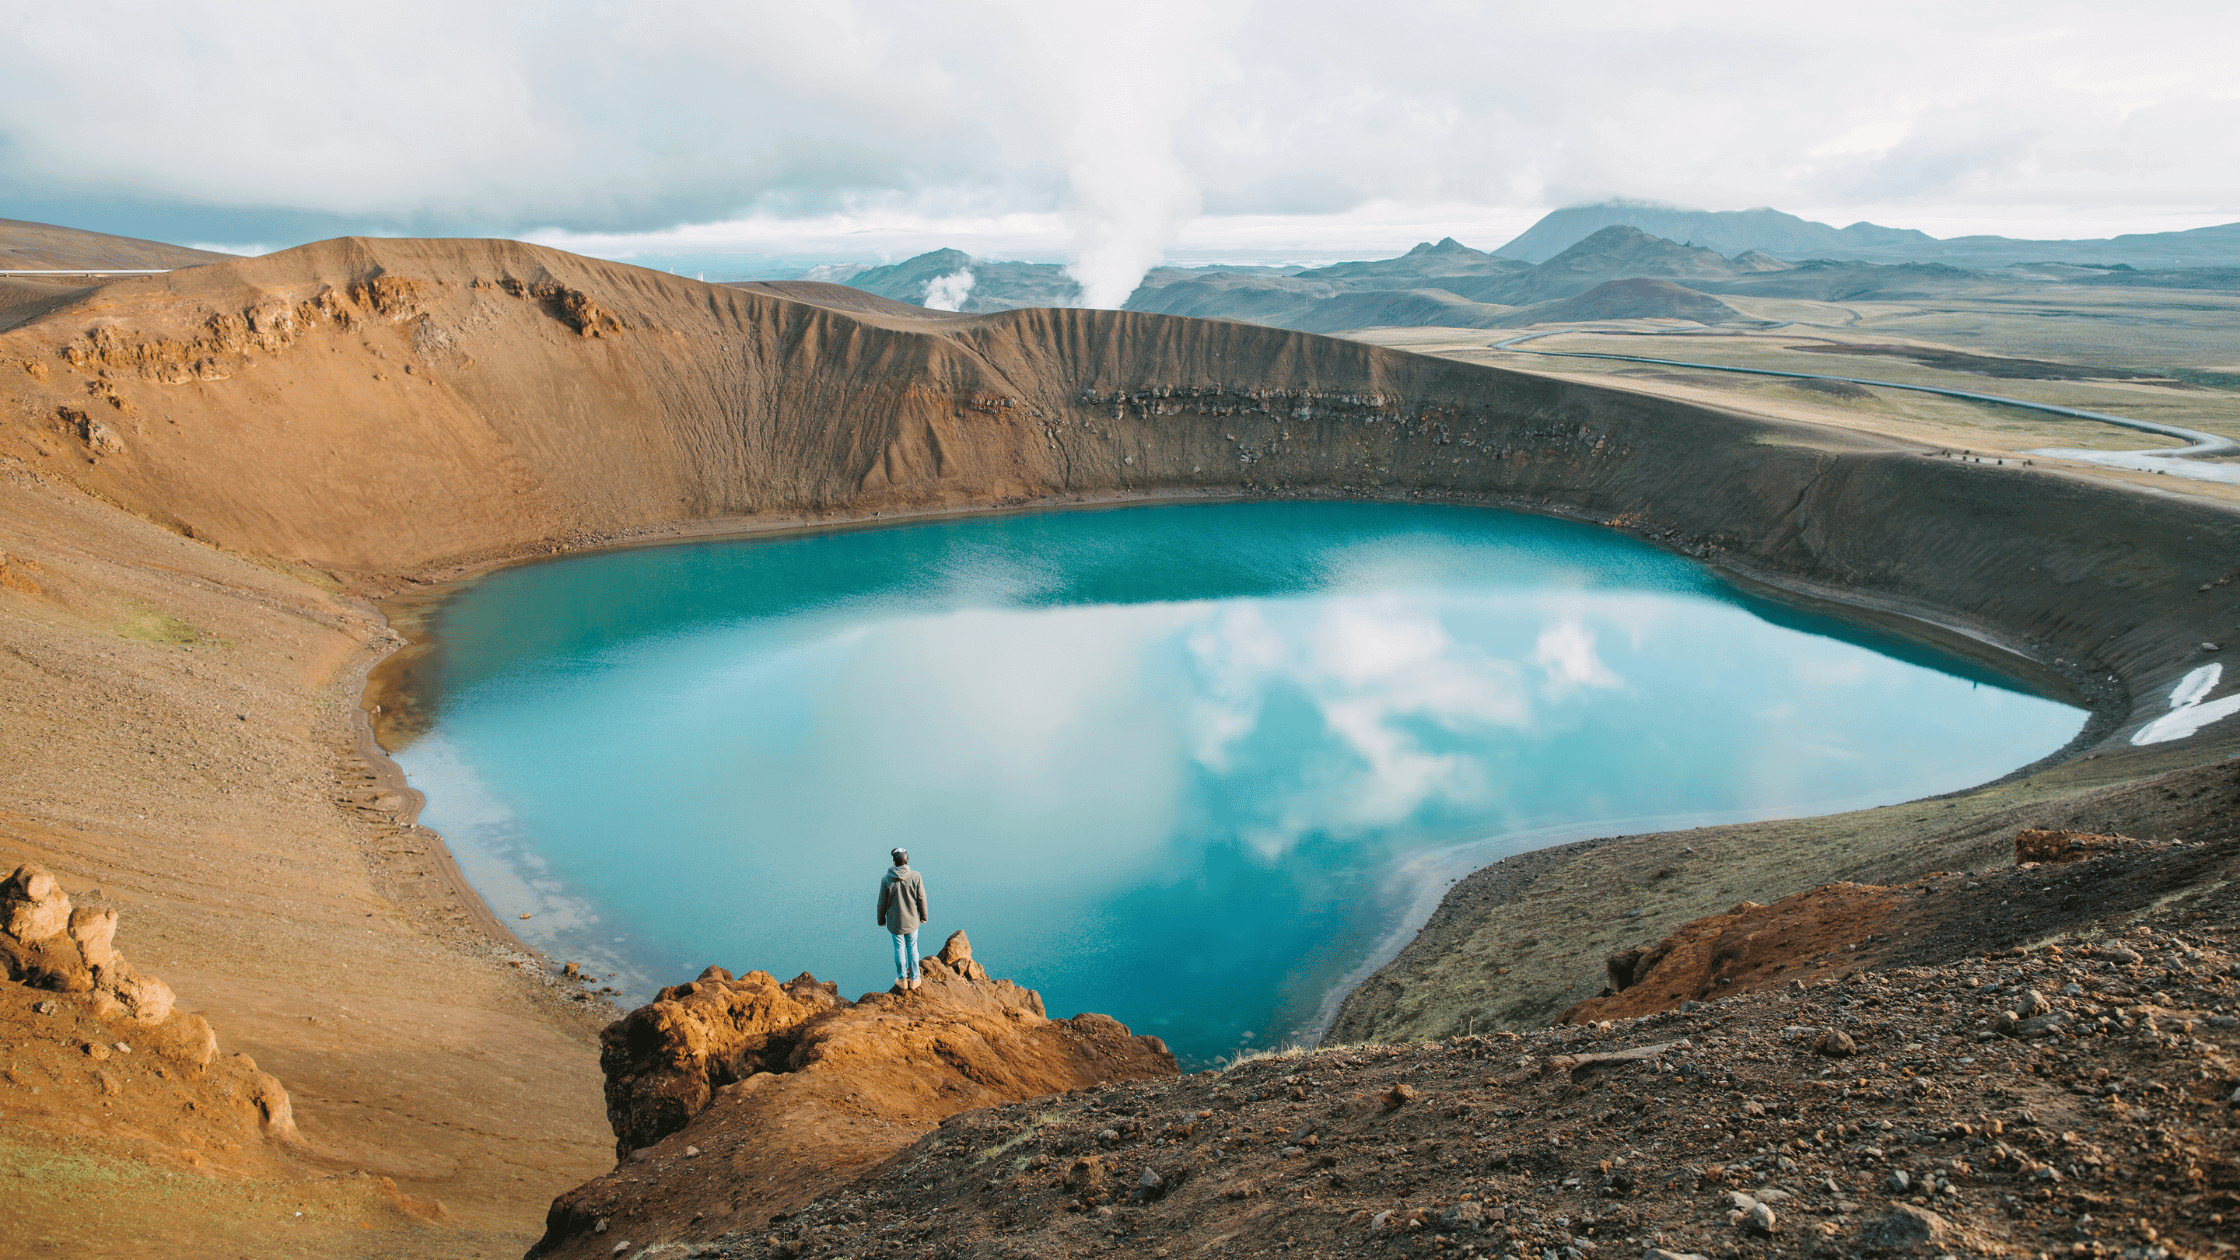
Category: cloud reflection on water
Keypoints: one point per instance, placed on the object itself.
(1198, 815)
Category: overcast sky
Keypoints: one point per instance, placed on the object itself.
(1111, 133)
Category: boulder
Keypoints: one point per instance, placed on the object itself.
(1903, 1227)
(188, 1039)
(29, 883)
(1086, 1174)
(33, 906)
(2038, 845)
(956, 954)
(143, 997)
(94, 928)
(261, 1092)
(665, 1060)
(51, 962)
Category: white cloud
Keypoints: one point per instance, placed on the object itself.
(1375, 640)
(1233, 651)
(1373, 668)
(1565, 651)
(1098, 132)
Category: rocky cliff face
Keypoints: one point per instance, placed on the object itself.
(734, 1100)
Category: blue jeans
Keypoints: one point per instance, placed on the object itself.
(906, 955)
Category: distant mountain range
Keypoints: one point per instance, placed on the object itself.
(1619, 260)
(1789, 237)
(952, 280)
(1725, 231)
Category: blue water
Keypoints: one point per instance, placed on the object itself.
(1194, 767)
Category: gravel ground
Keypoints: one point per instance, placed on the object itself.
(2072, 1098)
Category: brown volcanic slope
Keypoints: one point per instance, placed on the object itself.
(46, 247)
(26, 246)
(209, 472)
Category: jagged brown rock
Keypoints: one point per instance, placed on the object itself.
(737, 1099)
(47, 945)
(665, 1060)
(108, 1010)
(35, 906)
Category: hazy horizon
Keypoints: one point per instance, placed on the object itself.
(1224, 131)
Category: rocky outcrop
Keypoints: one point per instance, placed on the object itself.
(734, 1099)
(49, 945)
(665, 1060)
(1739, 949)
(2062, 880)
(2063, 846)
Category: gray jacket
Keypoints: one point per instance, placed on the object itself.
(902, 901)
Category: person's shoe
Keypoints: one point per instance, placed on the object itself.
(916, 983)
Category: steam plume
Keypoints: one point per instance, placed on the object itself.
(1130, 87)
(947, 293)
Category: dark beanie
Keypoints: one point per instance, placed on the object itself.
(901, 856)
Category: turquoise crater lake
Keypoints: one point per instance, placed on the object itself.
(1195, 767)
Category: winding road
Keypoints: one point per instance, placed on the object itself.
(2177, 462)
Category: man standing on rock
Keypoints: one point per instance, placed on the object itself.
(902, 908)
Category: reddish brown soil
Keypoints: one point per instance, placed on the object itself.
(1839, 929)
